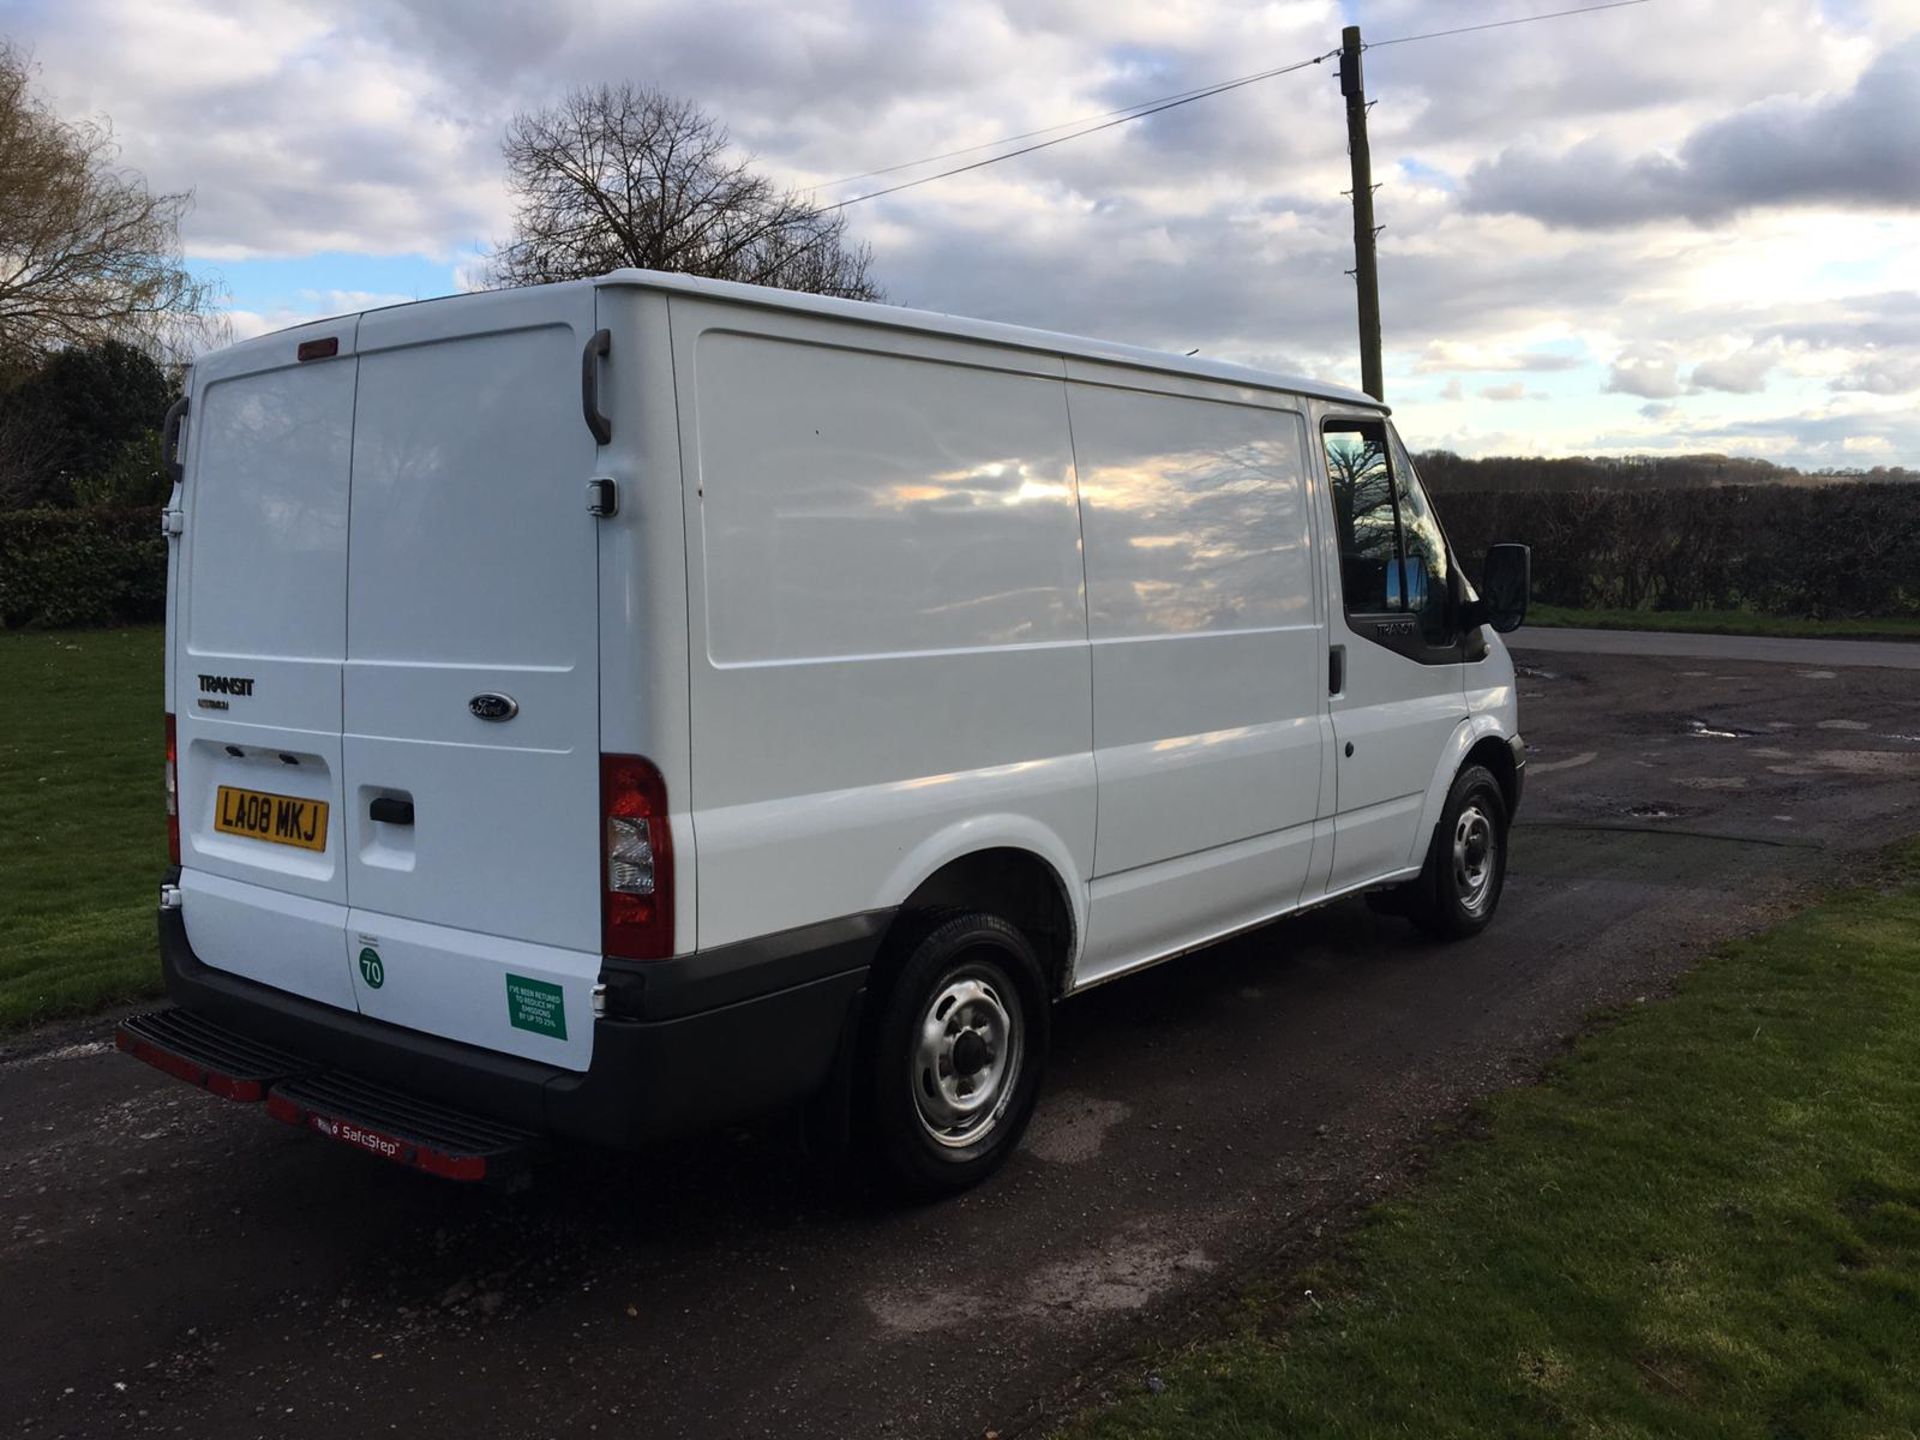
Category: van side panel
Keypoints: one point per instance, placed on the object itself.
(889, 623)
(1206, 666)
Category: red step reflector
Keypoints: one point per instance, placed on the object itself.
(388, 1147)
(228, 1087)
(319, 349)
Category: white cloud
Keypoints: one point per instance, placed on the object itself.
(1742, 373)
(1881, 375)
(1650, 376)
(372, 127)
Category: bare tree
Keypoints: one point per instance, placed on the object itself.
(624, 175)
(87, 251)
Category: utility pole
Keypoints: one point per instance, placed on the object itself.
(1366, 273)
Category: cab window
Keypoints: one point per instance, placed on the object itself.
(1393, 556)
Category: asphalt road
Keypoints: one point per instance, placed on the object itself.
(175, 1264)
(1780, 649)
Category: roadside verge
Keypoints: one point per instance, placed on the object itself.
(1706, 1222)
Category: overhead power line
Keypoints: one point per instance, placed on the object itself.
(1197, 93)
(1502, 24)
(1185, 99)
(1107, 120)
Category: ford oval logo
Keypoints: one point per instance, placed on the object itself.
(493, 706)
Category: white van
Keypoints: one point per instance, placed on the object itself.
(617, 707)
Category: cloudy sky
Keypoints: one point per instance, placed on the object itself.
(1688, 225)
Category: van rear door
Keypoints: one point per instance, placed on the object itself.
(470, 819)
(259, 632)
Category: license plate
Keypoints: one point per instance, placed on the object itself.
(281, 819)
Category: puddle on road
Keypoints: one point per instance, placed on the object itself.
(1715, 782)
(1653, 811)
(1719, 730)
(1815, 674)
(1534, 672)
(1547, 767)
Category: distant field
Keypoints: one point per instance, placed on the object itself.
(1723, 622)
(83, 836)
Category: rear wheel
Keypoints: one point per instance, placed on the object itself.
(957, 1052)
(1466, 867)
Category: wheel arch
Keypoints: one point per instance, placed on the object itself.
(1016, 879)
(1479, 740)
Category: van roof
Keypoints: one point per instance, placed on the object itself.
(1019, 337)
(1016, 336)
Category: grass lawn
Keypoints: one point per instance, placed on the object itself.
(1706, 1223)
(83, 834)
(1724, 622)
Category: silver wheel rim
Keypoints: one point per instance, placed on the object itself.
(1474, 844)
(966, 1055)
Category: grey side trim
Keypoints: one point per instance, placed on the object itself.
(728, 974)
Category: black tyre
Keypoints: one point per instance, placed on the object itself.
(956, 1053)
(1459, 889)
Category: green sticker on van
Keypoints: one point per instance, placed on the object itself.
(536, 1005)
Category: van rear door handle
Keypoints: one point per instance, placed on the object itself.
(597, 346)
(389, 811)
(1336, 669)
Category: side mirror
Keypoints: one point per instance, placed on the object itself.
(1505, 582)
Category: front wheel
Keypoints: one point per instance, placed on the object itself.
(1466, 867)
(958, 1050)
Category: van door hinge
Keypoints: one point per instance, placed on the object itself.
(603, 498)
(172, 522)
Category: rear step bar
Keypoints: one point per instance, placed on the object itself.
(400, 1128)
(192, 1048)
(385, 1122)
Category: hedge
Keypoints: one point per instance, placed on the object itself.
(1842, 551)
(1829, 551)
(81, 567)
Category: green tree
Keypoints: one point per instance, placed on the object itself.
(87, 251)
(70, 421)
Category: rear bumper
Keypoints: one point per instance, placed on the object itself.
(774, 1040)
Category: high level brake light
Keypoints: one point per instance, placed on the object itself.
(636, 904)
(173, 795)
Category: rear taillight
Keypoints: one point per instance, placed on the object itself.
(173, 795)
(636, 865)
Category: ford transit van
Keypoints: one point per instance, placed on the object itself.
(608, 709)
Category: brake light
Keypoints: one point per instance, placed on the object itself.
(173, 795)
(636, 865)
